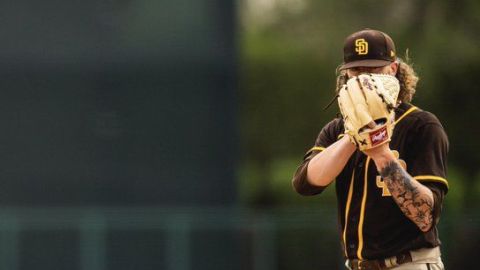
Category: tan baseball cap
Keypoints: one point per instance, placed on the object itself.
(368, 48)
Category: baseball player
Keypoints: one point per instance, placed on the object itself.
(388, 160)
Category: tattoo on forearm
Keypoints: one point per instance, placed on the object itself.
(407, 193)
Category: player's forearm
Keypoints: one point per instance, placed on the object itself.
(325, 167)
(414, 199)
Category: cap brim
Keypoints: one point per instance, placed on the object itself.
(366, 63)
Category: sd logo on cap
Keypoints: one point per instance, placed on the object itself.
(368, 48)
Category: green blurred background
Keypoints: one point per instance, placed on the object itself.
(164, 134)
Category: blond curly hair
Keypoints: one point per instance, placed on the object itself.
(406, 75)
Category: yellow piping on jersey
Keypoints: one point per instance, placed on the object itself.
(316, 148)
(431, 178)
(362, 212)
(405, 114)
(347, 210)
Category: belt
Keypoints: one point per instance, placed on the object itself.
(380, 264)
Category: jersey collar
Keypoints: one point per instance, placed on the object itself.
(403, 110)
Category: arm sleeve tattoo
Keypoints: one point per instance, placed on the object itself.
(412, 198)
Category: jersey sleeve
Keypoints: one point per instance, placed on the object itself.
(327, 136)
(428, 155)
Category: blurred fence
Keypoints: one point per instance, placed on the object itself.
(190, 238)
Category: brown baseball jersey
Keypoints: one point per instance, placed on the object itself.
(371, 224)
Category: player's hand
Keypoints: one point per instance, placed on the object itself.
(381, 155)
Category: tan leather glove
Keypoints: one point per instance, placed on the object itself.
(367, 105)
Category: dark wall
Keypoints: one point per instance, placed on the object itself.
(117, 102)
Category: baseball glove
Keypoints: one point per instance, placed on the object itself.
(367, 105)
